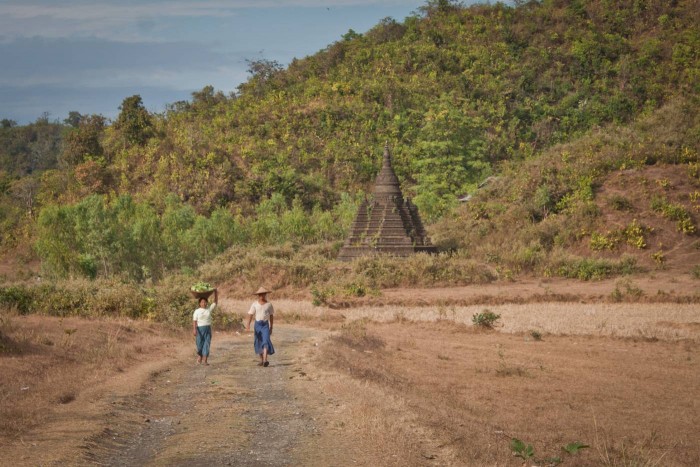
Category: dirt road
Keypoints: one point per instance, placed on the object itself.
(231, 412)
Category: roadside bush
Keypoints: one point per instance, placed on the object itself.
(320, 296)
(64, 299)
(169, 302)
(626, 290)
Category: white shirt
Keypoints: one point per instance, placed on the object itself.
(262, 312)
(203, 315)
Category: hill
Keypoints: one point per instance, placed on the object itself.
(557, 102)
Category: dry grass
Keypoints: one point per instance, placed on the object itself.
(47, 362)
(390, 431)
(549, 374)
(631, 401)
(646, 321)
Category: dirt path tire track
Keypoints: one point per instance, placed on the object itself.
(232, 412)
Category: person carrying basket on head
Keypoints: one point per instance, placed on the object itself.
(263, 312)
(201, 327)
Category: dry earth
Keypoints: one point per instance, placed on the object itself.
(399, 384)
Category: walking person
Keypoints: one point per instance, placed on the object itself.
(201, 327)
(263, 312)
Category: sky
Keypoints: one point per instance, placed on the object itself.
(57, 56)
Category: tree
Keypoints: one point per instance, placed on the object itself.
(43, 146)
(84, 141)
(207, 97)
(439, 6)
(74, 119)
(134, 122)
(262, 72)
(56, 241)
(24, 190)
(351, 35)
(449, 156)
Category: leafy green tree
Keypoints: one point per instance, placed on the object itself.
(56, 241)
(449, 157)
(134, 123)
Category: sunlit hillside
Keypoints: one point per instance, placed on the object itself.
(581, 117)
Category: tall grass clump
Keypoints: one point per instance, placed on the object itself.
(277, 266)
(594, 268)
(16, 297)
(168, 302)
(421, 269)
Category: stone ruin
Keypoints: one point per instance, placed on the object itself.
(386, 223)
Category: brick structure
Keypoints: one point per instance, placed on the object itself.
(386, 223)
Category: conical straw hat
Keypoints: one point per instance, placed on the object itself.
(261, 291)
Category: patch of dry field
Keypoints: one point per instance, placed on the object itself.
(622, 378)
(664, 321)
(51, 365)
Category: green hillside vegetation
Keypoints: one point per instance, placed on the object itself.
(549, 101)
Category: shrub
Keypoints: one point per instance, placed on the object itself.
(608, 241)
(486, 319)
(626, 290)
(659, 258)
(16, 297)
(320, 296)
(674, 212)
(620, 203)
(169, 302)
(536, 335)
(634, 234)
(594, 269)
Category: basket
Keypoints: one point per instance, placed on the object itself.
(205, 294)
